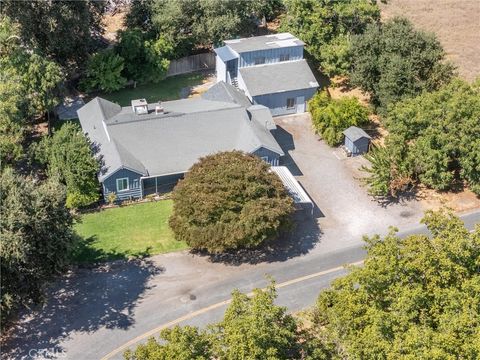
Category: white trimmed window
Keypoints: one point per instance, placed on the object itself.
(290, 103)
(122, 184)
(265, 158)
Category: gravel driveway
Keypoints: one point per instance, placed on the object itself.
(331, 180)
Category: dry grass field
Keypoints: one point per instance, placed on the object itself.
(455, 22)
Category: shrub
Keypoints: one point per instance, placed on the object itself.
(331, 117)
(229, 200)
(104, 72)
(111, 198)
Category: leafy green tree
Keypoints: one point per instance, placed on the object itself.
(392, 61)
(252, 328)
(414, 298)
(181, 343)
(199, 24)
(41, 78)
(146, 60)
(61, 30)
(36, 237)
(139, 15)
(11, 131)
(433, 139)
(325, 27)
(104, 72)
(69, 157)
(229, 200)
(336, 56)
(331, 117)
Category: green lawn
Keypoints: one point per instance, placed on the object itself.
(133, 230)
(167, 89)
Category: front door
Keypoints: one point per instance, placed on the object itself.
(300, 104)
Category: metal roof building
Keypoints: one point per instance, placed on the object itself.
(294, 188)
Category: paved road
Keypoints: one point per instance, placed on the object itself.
(89, 316)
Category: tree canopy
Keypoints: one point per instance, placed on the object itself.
(104, 72)
(393, 60)
(36, 238)
(28, 88)
(326, 28)
(229, 200)
(252, 328)
(331, 117)
(414, 298)
(69, 157)
(433, 139)
(64, 31)
(199, 24)
(146, 60)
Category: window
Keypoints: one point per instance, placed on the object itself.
(122, 184)
(260, 60)
(290, 103)
(284, 57)
(265, 158)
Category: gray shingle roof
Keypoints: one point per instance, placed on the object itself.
(278, 77)
(263, 42)
(355, 133)
(222, 91)
(158, 144)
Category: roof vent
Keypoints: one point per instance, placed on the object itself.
(159, 109)
(140, 106)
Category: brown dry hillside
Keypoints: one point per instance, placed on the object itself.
(455, 22)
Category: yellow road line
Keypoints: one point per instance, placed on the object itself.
(213, 307)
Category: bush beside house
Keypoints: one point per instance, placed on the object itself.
(227, 201)
(331, 117)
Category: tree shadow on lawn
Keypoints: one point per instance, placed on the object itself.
(302, 238)
(84, 300)
(85, 254)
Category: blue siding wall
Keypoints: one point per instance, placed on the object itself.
(273, 157)
(277, 102)
(134, 185)
(358, 147)
(271, 55)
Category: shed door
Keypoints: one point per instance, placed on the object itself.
(300, 104)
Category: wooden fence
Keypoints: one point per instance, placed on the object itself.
(191, 63)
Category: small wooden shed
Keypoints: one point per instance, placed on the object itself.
(357, 141)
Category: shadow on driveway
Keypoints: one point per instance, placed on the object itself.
(285, 140)
(81, 302)
(298, 241)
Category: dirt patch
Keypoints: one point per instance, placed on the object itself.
(198, 90)
(113, 22)
(461, 201)
(456, 24)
